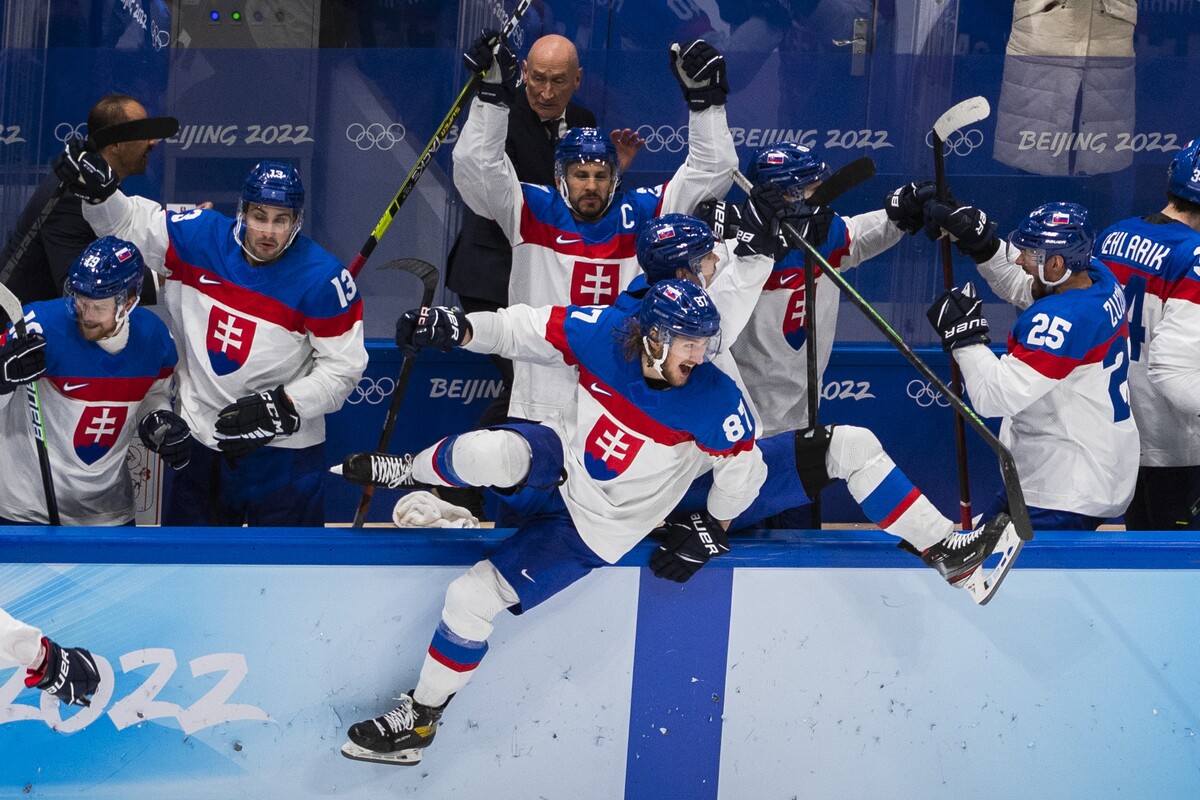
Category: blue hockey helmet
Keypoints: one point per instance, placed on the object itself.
(677, 309)
(673, 242)
(107, 268)
(1183, 176)
(275, 184)
(1056, 229)
(584, 145)
(788, 167)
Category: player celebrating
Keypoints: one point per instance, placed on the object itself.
(573, 242)
(104, 368)
(1156, 258)
(68, 673)
(271, 340)
(772, 351)
(1061, 388)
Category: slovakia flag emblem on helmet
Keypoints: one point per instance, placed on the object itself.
(671, 293)
(1059, 218)
(664, 233)
(123, 254)
(775, 158)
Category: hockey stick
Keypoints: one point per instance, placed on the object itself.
(12, 307)
(833, 187)
(133, 130)
(428, 275)
(981, 587)
(968, 112)
(426, 156)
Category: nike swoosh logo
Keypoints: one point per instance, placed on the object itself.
(560, 240)
(70, 387)
(595, 387)
(784, 280)
(209, 281)
(525, 575)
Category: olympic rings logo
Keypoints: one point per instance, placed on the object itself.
(65, 131)
(960, 143)
(384, 137)
(372, 391)
(924, 394)
(664, 137)
(159, 38)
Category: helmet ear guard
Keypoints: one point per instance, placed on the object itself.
(1056, 229)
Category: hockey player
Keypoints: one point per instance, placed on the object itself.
(68, 673)
(771, 351)
(1156, 258)
(270, 333)
(104, 369)
(1061, 388)
(650, 415)
(573, 242)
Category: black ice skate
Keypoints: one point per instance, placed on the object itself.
(398, 737)
(960, 556)
(377, 469)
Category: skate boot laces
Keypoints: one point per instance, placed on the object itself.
(392, 471)
(401, 718)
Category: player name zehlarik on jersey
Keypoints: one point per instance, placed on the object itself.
(1156, 259)
(92, 402)
(631, 451)
(1062, 389)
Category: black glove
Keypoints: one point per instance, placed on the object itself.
(68, 673)
(957, 316)
(688, 544)
(905, 206)
(436, 326)
(700, 69)
(759, 230)
(724, 218)
(255, 420)
(85, 172)
(22, 360)
(165, 432)
(494, 61)
(811, 222)
(967, 225)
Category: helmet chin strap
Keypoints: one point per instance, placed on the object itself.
(1042, 272)
(655, 363)
(115, 342)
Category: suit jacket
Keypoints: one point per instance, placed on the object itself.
(481, 258)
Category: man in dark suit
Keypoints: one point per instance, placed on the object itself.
(479, 263)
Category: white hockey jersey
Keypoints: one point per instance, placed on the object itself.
(1062, 390)
(559, 260)
(19, 643)
(1155, 259)
(772, 352)
(91, 402)
(631, 451)
(243, 329)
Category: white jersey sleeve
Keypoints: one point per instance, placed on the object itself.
(19, 643)
(517, 332)
(135, 219)
(736, 288)
(870, 234)
(707, 171)
(1000, 387)
(1175, 355)
(1008, 280)
(736, 483)
(483, 173)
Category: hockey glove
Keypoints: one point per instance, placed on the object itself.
(700, 69)
(436, 326)
(688, 545)
(811, 222)
(724, 218)
(967, 225)
(759, 231)
(494, 61)
(905, 206)
(957, 316)
(164, 432)
(68, 673)
(85, 172)
(255, 420)
(22, 360)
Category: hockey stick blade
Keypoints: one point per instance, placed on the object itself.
(983, 585)
(428, 275)
(134, 130)
(968, 112)
(400, 758)
(1008, 467)
(858, 171)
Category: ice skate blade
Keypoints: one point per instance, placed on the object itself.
(983, 586)
(400, 758)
